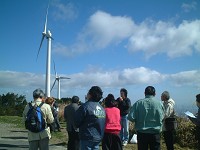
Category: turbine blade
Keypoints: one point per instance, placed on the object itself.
(45, 25)
(64, 78)
(40, 46)
(54, 67)
(53, 85)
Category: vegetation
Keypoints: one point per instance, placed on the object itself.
(12, 104)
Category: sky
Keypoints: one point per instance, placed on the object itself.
(113, 44)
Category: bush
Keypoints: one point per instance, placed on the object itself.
(185, 133)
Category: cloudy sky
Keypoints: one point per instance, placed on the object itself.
(112, 44)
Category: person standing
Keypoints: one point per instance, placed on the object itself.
(148, 114)
(111, 139)
(124, 105)
(69, 115)
(196, 121)
(90, 119)
(56, 116)
(39, 140)
(168, 104)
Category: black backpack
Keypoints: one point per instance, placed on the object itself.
(34, 120)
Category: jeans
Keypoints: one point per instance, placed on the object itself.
(124, 133)
(89, 145)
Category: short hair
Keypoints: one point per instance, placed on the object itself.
(96, 93)
(125, 91)
(75, 99)
(166, 94)
(198, 98)
(150, 90)
(110, 101)
(38, 93)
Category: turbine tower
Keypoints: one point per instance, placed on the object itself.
(58, 78)
(48, 36)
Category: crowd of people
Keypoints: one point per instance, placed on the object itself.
(92, 122)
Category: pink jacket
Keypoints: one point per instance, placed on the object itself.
(112, 120)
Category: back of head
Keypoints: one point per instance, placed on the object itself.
(198, 98)
(166, 95)
(96, 93)
(125, 91)
(49, 100)
(75, 99)
(38, 93)
(150, 90)
(110, 101)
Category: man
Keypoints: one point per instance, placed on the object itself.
(90, 119)
(168, 104)
(41, 139)
(124, 105)
(69, 115)
(196, 121)
(147, 114)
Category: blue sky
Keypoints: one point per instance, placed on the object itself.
(113, 44)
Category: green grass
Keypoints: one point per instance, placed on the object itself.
(14, 120)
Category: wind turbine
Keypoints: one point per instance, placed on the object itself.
(58, 78)
(48, 36)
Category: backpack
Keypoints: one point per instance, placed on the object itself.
(34, 120)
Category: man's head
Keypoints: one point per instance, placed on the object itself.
(123, 93)
(95, 93)
(38, 93)
(198, 100)
(150, 90)
(75, 99)
(165, 96)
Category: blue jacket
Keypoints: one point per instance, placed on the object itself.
(90, 119)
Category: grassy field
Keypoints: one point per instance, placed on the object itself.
(60, 138)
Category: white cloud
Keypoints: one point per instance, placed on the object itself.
(186, 78)
(64, 12)
(103, 30)
(163, 37)
(188, 7)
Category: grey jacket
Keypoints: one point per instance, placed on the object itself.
(69, 115)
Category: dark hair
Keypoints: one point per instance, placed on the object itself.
(125, 91)
(198, 98)
(110, 101)
(75, 99)
(150, 90)
(38, 93)
(96, 93)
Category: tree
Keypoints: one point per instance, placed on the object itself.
(12, 104)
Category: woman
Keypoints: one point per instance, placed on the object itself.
(111, 139)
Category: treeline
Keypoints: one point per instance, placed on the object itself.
(12, 104)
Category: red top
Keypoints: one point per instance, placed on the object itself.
(112, 120)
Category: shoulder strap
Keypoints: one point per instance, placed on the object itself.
(30, 105)
(41, 104)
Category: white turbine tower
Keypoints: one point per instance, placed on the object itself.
(58, 78)
(48, 36)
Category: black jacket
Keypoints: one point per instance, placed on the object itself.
(124, 106)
